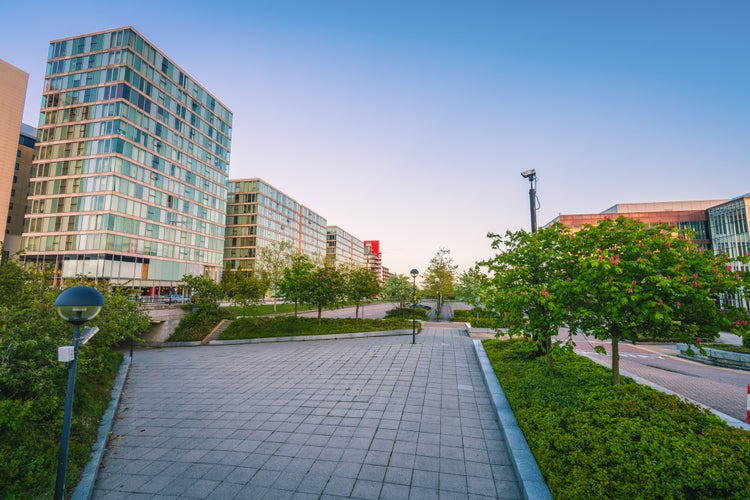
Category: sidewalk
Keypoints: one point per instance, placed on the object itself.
(363, 418)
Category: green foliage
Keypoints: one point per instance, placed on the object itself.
(296, 278)
(258, 310)
(33, 382)
(440, 276)
(524, 291)
(251, 328)
(471, 285)
(407, 313)
(592, 440)
(359, 284)
(244, 288)
(324, 288)
(398, 289)
(198, 323)
(206, 293)
(486, 318)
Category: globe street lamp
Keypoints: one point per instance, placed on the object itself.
(414, 273)
(531, 176)
(75, 305)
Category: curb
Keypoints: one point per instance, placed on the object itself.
(529, 476)
(85, 487)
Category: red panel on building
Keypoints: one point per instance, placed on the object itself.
(374, 246)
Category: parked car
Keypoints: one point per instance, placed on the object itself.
(174, 299)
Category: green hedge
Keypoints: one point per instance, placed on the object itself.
(253, 328)
(593, 440)
(407, 313)
(486, 318)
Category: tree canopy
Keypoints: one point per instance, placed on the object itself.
(616, 280)
(440, 276)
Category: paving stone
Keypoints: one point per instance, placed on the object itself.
(358, 418)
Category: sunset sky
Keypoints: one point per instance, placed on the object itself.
(409, 122)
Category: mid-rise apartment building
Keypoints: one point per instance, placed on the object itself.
(343, 249)
(13, 82)
(131, 168)
(259, 216)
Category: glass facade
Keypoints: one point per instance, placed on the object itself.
(131, 169)
(259, 215)
(344, 249)
(729, 224)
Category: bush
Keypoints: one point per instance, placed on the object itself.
(252, 328)
(486, 318)
(198, 323)
(33, 384)
(407, 313)
(594, 440)
(746, 340)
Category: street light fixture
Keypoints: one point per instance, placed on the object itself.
(531, 176)
(75, 305)
(414, 273)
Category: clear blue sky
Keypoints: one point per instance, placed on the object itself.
(410, 121)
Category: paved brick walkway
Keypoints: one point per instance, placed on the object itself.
(361, 418)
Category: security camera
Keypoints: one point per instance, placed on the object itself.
(528, 173)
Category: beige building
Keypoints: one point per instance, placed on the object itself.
(13, 84)
(259, 216)
(343, 249)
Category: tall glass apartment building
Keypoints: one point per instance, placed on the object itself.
(259, 215)
(131, 170)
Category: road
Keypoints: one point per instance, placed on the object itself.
(723, 389)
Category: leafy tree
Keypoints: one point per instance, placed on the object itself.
(206, 292)
(471, 285)
(296, 279)
(244, 287)
(271, 263)
(630, 281)
(525, 286)
(398, 289)
(359, 284)
(440, 276)
(323, 288)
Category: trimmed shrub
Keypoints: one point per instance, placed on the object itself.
(262, 327)
(594, 440)
(407, 313)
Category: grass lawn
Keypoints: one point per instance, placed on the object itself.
(286, 326)
(593, 440)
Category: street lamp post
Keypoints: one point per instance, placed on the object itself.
(531, 176)
(414, 273)
(75, 305)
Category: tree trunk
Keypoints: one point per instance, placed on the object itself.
(295, 308)
(320, 311)
(274, 305)
(615, 358)
(356, 312)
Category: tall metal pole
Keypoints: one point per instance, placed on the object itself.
(414, 309)
(62, 456)
(532, 202)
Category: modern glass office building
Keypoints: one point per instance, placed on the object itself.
(729, 224)
(131, 169)
(259, 215)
